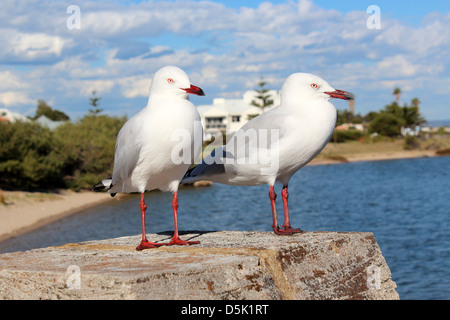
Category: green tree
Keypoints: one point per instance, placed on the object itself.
(44, 109)
(386, 124)
(94, 101)
(397, 92)
(346, 116)
(262, 95)
(410, 114)
(30, 157)
(89, 147)
(370, 116)
(415, 102)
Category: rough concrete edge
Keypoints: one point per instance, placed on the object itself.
(268, 260)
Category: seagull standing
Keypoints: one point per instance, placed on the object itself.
(144, 157)
(276, 144)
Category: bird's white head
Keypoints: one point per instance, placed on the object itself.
(308, 87)
(172, 81)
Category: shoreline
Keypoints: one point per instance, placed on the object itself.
(27, 211)
(374, 156)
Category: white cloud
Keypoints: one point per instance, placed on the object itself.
(29, 47)
(396, 66)
(14, 98)
(120, 46)
(110, 23)
(9, 80)
(86, 87)
(137, 86)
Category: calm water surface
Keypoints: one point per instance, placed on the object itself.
(405, 203)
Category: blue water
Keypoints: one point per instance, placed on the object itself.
(405, 203)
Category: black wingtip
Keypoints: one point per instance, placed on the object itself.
(102, 185)
(98, 187)
(188, 173)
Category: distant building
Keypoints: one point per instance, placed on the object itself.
(229, 115)
(430, 130)
(348, 126)
(436, 126)
(405, 131)
(48, 123)
(6, 115)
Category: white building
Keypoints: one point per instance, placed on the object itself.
(50, 124)
(229, 115)
(12, 116)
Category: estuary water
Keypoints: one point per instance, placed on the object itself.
(405, 203)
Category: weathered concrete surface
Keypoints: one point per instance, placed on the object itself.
(226, 265)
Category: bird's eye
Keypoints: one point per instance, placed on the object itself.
(314, 85)
(170, 80)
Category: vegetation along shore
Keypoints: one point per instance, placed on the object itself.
(75, 155)
(22, 211)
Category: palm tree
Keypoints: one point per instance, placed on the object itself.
(397, 92)
(351, 104)
(415, 102)
(417, 117)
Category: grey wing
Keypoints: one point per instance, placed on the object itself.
(220, 161)
(270, 120)
(126, 154)
(265, 132)
(211, 165)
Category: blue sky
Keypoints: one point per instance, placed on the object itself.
(225, 46)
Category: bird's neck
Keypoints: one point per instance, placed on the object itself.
(307, 107)
(161, 100)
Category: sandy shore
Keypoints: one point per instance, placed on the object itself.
(25, 211)
(375, 156)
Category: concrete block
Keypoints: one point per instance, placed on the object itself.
(225, 265)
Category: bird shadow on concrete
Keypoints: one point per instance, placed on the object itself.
(197, 233)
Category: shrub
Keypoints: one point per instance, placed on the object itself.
(89, 145)
(75, 155)
(411, 143)
(30, 157)
(386, 124)
(346, 135)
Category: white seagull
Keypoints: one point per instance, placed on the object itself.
(276, 144)
(144, 158)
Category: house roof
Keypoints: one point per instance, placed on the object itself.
(46, 122)
(223, 107)
(214, 112)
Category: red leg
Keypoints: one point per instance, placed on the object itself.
(145, 244)
(273, 197)
(176, 239)
(287, 225)
(276, 229)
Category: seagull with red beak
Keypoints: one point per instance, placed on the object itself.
(144, 158)
(273, 146)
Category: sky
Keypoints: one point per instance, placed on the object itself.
(225, 47)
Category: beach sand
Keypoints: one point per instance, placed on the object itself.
(25, 211)
(373, 156)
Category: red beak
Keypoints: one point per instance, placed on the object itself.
(340, 94)
(194, 90)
